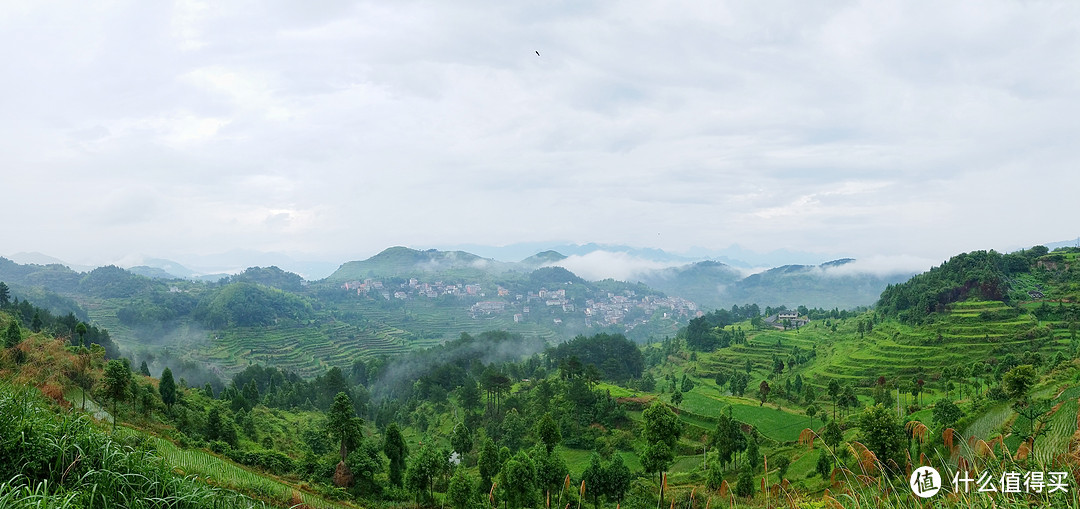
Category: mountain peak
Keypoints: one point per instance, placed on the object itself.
(543, 257)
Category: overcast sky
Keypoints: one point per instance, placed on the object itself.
(335, 129)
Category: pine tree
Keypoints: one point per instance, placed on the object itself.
(167, 388)
(13, 335)
(35, 322)
(80, 329)
(489, 462)
(342, 422)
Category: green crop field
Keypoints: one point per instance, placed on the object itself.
(776, 424)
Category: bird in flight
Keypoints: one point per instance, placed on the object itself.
(537, 53)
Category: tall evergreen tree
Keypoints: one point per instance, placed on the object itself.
(880, 433)
(548, 432)
(82, 376)
(80, 329)
(489, 462)
(35, 322)
(594, 478)
(342, 422)
(167, 388)
(12, 335)
(213, 424)
(728, 438)
(461, 439)
(618, 479)
(396, 450)
(834, 392)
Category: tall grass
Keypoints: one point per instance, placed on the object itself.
(50, 460)
(871, 483)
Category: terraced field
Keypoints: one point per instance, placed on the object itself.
(309, 350)
(892, 349)
(103, 313)
(1062, 425)
(990, 423)
(778, 425)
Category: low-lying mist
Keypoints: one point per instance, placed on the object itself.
(485, 348)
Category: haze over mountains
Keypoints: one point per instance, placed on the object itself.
(711, 278)
(842, 283)
(318, 266)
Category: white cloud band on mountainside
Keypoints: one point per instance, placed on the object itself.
(882, 265)
(599, 265)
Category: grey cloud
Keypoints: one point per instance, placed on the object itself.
(412, 123)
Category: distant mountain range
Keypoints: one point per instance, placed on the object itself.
(711, 283)
(733, 255)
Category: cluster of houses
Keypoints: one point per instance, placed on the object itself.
(415, 288)
(601, 310)
(615, 308)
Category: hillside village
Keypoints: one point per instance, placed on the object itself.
(602, 309)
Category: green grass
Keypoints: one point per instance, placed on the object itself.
(221, 472)
(50, 460)
(776, 424)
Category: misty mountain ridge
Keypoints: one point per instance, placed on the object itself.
(709, 283)
(313, 267)
(842, 282)
(734, 255)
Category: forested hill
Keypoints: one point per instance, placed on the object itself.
(1013, 278)
(404, 262)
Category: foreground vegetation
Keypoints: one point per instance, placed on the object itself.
(60, 461)
(731, 410)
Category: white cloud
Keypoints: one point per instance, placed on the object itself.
(600, 264)
(884, 265)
